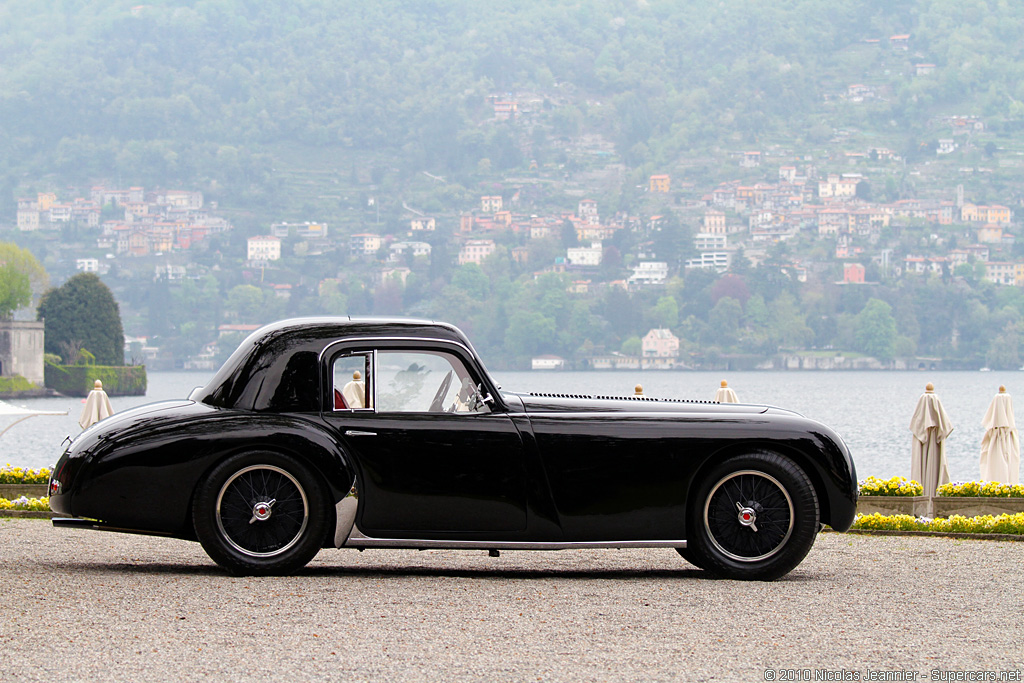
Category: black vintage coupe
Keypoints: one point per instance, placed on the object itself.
(348, 433)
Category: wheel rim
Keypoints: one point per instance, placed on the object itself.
(262, 511)
(748, 515)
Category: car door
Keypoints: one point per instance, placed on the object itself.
(432, 457)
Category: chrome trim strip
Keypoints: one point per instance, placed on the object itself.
(358, 540)
(355, 432)
(345, 340)
(345, 516)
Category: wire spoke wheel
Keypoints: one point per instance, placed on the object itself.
(262, 511)
(754, 517)
(748, 516)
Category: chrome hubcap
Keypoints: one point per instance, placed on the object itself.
(747, 516)
(261, 511)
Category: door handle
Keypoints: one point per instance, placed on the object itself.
(354, 432)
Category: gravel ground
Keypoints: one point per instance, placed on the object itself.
(83, 605)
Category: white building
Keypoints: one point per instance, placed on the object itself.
(649, 273)
(398, 250)
(170, 272)
(705, 241)
(475, 251)
(586, 257)
(587, 210)
(717, 260)
(364, 244)
(660, 343)
(87, 265)
(547, 362)
(264, 248)
(304, 230)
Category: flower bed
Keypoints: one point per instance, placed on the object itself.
(896, 487)
(983, 524)
(896, 496)
(23, 475)
(23, 503)
(982, 489)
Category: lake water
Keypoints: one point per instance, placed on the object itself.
(871, 410)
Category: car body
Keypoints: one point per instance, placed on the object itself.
(366, 433)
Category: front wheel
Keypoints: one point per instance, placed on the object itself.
(260, 513)
(755, 517)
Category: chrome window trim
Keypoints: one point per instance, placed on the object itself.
(344, 340)
(373, 372)
(370, 340)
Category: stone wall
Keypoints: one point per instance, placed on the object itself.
(21, 350)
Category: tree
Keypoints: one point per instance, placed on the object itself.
(633, 346)
(876, 330)
(15, 291)
(20, 274)
(83, 311)
(665, 313)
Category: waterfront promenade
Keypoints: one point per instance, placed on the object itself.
(81, 605)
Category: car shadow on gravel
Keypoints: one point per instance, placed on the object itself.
(683, 573)
(140, 568)
(392, 572)
(506, 573)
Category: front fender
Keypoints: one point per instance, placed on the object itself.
(143, 477)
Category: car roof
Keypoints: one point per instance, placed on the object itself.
(277, 367)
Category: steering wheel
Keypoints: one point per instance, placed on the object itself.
(437, 404)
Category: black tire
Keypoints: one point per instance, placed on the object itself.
(260, 513)
(754, 517)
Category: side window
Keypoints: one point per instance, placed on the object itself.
(422, 381)
(352, 382)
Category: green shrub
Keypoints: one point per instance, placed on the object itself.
(77, 380)
(15, 383)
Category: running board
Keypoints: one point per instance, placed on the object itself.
(358, 540)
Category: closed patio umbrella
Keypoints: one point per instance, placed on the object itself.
(930, 426)
(725, 394)
(97, 406)
(1000, 447)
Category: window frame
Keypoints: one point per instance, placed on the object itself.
(369, 346)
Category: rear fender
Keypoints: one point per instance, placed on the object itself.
(145, 478)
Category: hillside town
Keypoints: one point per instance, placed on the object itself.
(844, 236)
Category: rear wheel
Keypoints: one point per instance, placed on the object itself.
(260, 513)
(755, 517)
